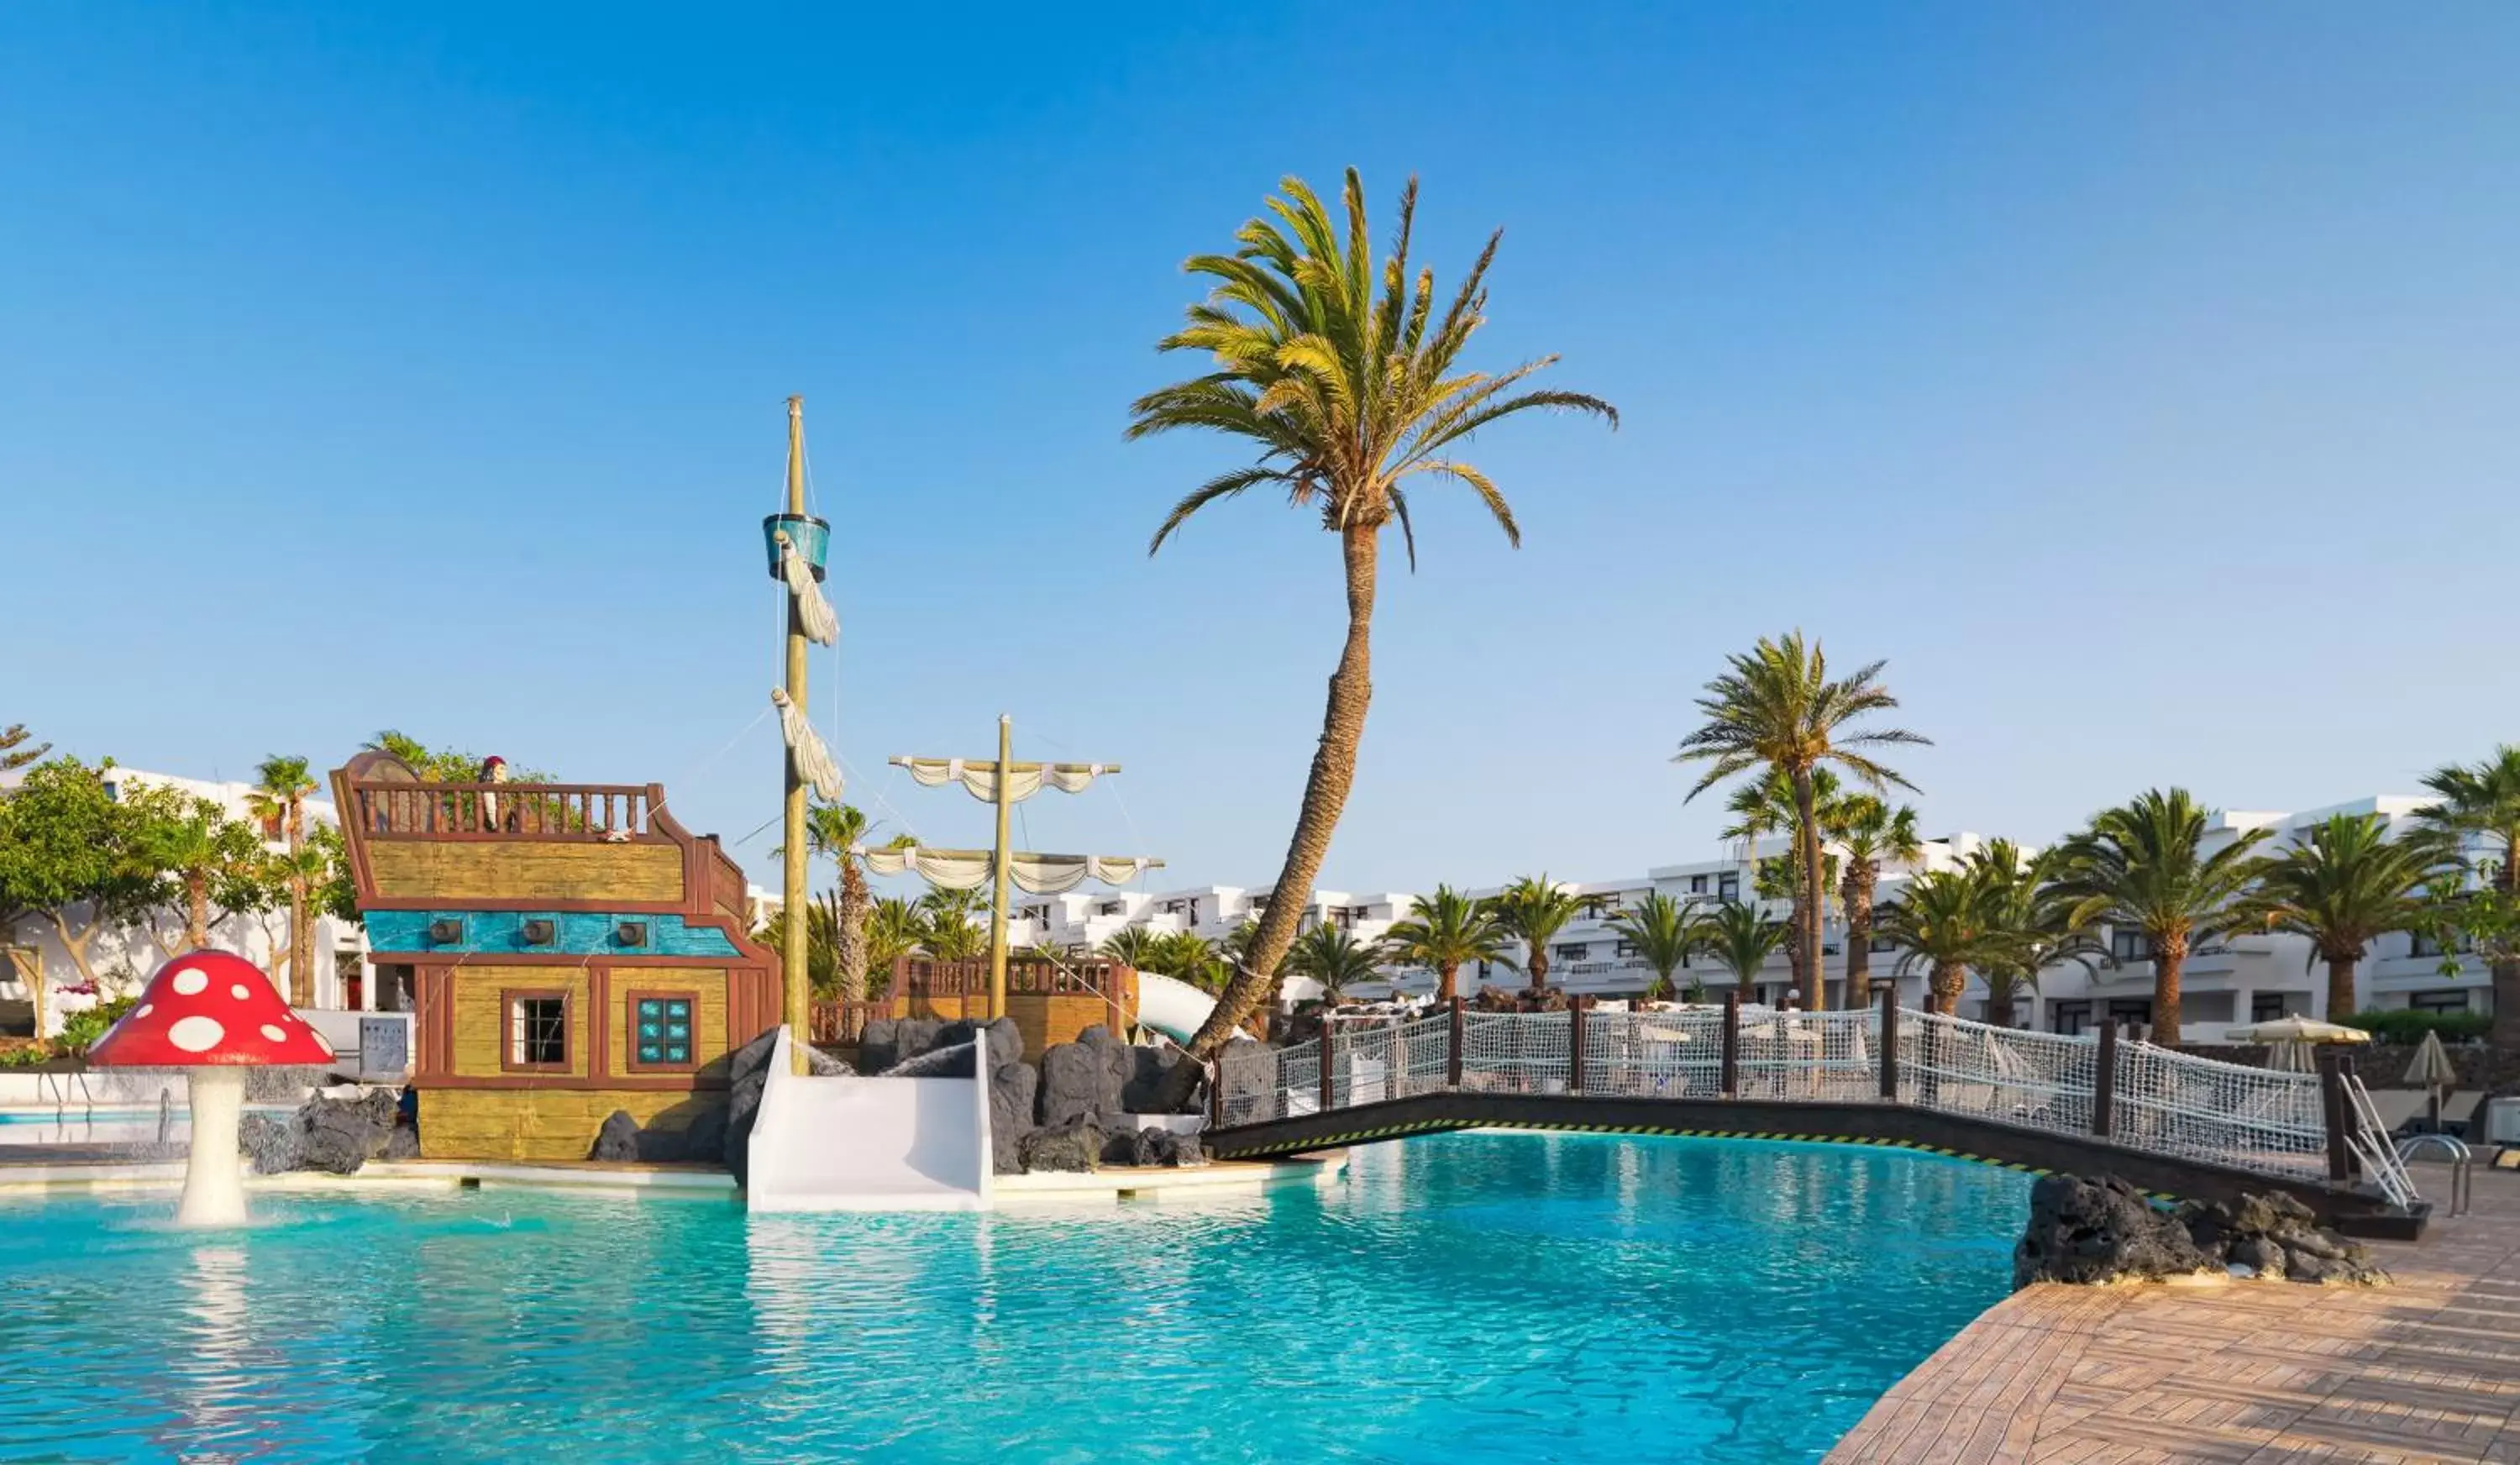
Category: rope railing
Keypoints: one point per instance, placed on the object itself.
(2133, 1093)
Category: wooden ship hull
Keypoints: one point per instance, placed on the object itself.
(572, 951)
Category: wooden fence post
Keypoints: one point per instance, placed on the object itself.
(1328, 1090)
(1574, 1044)
(1890, 1041)
(2332, 1068)
(2104, 1082)
(1733, 1044)
(1453, 1058)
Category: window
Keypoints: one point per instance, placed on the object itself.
(1883, 944)
(1729, 888)
(2131, 946)
(1111, 907)
(1572, 951)
(2266, 1007)
(2068, 1018)
(660, 1030)
(1697, 885)
(2206, 1007)
(537, 1030)
(1628, 948)
(2437, 1001)
(2422, 944)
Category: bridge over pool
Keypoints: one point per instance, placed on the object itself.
(2171, 1123)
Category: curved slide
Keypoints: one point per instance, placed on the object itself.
(851, 1143)
(1171, 1007)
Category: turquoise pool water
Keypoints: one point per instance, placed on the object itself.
(1472, 1297)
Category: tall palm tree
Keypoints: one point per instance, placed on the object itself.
(1332, 957)
(1777, 710)
(2344, 886)
(1446, 930)
(281, 788)
(1868, 834)
(1741, 939)
(2481, 802)
(2143, 865)
(1346, 382)
(1766, 806)
(1939, 925)
(1533, 910)
(1663, 931)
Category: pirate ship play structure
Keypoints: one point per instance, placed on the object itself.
(571, 949)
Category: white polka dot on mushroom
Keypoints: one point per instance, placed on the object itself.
(196, 1034)
(191, 980)
(240, 992)
(273, 1032)
(143, 1009)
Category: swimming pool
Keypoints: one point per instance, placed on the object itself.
(1474, 1297)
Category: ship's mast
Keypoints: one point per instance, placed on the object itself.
(792, 949)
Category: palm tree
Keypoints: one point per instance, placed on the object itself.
(2481, 802)
(1938, 923)
(2143, 865)
(894, 929)
(1533, 910)
(1663, 931)
(14, 752)
(214, 858)
(1332, 957)
(1445, 931)
(1765, 807)
(1345, 382)
(837, 831)
(280, 792)
(2029, 923)
(2344, 886)
(1777, 710)
(1868, 834)
(951, 931)
(1741, 939)
(1184, 956)
(1130, 946)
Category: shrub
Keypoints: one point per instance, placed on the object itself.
(81, 1029)
(2406, 1025)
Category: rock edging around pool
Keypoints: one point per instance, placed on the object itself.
(2100, 1230)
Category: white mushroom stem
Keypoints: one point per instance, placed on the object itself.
(213, 1189)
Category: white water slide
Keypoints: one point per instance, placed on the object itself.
(1171, 1007)
(851, 1143)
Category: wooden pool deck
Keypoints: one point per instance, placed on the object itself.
(2426, 1369)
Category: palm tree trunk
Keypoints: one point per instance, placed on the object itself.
(197, 908)
(1859, 934)
(2506, 1031)
(1806, 920)
(2169, 960)
(1999, 1004)
(301, 928)
(2340, 985)
(850, 953)
(1326, 790)
(1448, 982)
(1943, 988)
(1538, 967)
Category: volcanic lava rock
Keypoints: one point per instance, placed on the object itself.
(1074, 1145)
(617, 1143)
(2103, 1230)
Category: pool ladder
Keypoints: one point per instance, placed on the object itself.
(2461, 1183)
(57, 1086)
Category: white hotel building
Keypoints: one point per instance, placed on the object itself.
(2243, 980)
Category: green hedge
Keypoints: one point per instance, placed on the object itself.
(2405, 1025)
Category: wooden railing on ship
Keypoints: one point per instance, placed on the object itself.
(540, 811)
(841, 1023)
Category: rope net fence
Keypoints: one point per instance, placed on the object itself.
(2253, 1118)
(1810, 1055)
(1514, 1052)
(2039, 1081)
(1656, 1054)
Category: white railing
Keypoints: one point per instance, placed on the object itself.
(2163, 1102)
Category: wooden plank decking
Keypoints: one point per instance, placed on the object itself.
(2426, 1369)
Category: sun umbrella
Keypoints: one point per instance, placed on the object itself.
(2432, 1072)
(2291, 1056)
(2297, 1030)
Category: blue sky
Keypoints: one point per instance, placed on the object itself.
(2139, 380)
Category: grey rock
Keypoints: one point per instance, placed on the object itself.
(617, 1143)
(402, 1145)
(1149, 1069)
(1083, 1080)
(1075, 1145)
(1185, 1152)
(2100, 1230)
(879, 1046)
(1012, 1092)
(2262, 1257)
(703, 1139)
(270, 1144)
(2312, 1243)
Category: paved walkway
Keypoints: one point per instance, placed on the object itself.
(2427, 1369)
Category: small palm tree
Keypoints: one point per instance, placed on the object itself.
(2143, 865)
(1445, 931)
(2481, 802)
(1664, 933)
(1182, 955)
(836, 832)
(1868, 834)
(2345, 886)
(1347, 383)
(1938, 923)
(2029, 923)
(952, 930)
(214, 858)
(1332, 957)
(1776, 710)
(282, 787)
(1741, 939)
(1130, 946)
(1533, 910)
(894, 928)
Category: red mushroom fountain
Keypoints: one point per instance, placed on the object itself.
(214, 1015)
